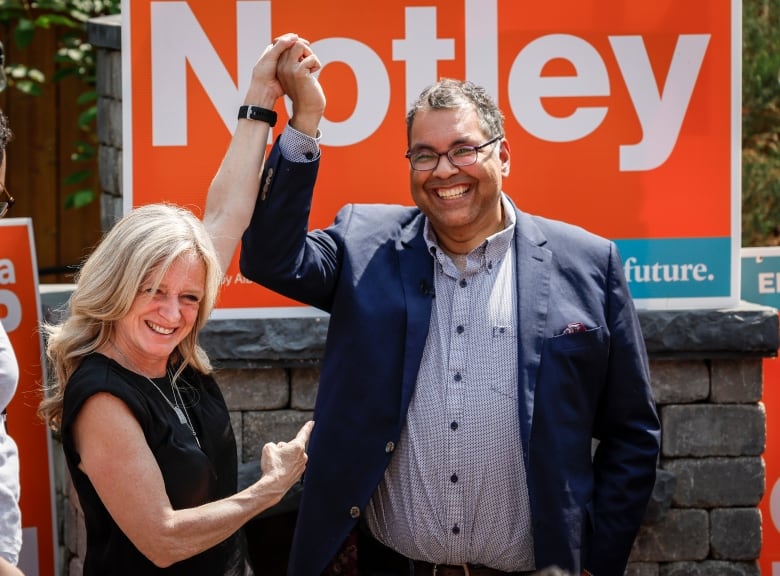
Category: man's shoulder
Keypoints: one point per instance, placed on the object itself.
(380, 216)
(559, 230)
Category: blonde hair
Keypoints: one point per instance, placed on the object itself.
(139, 248)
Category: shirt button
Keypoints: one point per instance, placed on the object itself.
(459, 329)
(463, 283)
(309, 155)
(354, 512)
(458, 377)
(453, 425)
(389, 447)
(454, 478)
(456, 530)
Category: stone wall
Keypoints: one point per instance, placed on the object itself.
(706, 369)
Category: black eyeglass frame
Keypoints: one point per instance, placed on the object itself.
(448, 154)
(5, 205)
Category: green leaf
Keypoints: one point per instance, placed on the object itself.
(28, 87)
(77, 177)
(63, 73)
(49, 20)
(88, 116)
(84, 152)
(87, 97)
(24, 33)
(79, 199)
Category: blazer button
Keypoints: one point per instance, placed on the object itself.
(389, 447)
(354, 512)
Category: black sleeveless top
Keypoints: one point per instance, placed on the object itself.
(193, 476)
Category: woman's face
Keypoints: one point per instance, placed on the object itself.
(161, 318)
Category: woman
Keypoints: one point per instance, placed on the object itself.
(145, 429)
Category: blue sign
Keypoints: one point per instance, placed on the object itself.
(761, 276)
(677, 267)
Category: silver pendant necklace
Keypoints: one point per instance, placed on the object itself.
(181, 411)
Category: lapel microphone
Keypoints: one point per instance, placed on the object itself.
(426, 290)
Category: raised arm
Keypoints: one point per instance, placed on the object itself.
(285, 67)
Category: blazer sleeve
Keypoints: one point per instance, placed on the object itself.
(276, 250)
(628, 431)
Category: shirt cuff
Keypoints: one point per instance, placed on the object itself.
(299, 147)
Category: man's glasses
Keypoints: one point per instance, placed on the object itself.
(424, 160)
(6, 200)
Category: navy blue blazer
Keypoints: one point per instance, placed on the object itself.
(372, 272)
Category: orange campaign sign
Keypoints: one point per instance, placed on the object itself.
(622, 117)
(19, 313)
(761, 285)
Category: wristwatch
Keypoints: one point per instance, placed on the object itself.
(257, 113)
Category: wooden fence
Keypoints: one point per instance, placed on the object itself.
(39, 159)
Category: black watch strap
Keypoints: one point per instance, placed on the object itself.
(257, 113)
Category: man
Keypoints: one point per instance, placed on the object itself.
(474, 351)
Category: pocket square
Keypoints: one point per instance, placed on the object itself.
(573, 327)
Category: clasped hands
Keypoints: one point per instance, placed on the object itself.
(289, 67)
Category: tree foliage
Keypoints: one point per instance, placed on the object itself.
(74, 57)
(760, 122)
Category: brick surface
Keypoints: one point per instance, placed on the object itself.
(642, 569)
(304, 385)
(716, 482)
(679, 381)
(710, 568)
(713, 430)
(237, 422)
(110, 182)
(681, 535)
(273, 426)
(736, 381)
(735, 533)
(247, 390)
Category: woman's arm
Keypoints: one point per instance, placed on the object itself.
(8, 569)
(285, 67)
(122, 468)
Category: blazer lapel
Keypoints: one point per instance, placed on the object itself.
(533, 269)
(416, 269)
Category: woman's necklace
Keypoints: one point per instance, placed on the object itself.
(181, 412)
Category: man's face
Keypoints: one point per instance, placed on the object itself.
(462, 202)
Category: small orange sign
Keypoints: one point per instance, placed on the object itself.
(19, 313)
(769, 560)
